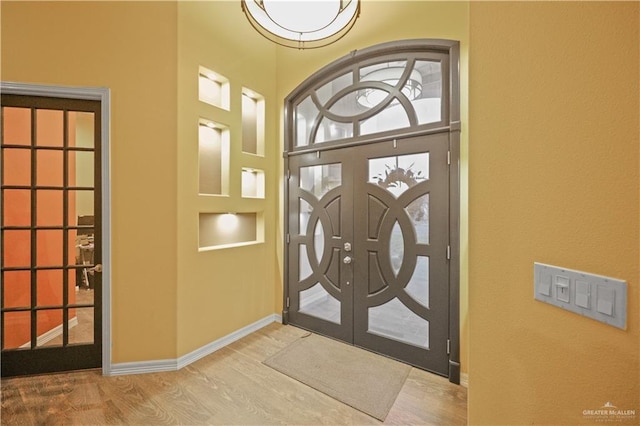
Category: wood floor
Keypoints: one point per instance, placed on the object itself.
(230, 386)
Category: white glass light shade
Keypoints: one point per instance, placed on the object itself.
(302, 24)
(391, 76)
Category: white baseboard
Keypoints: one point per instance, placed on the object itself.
(464, 380)
(45, 338)
(140, 367)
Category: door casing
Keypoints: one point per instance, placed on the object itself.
(103, 95)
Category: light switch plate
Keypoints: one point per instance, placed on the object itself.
(595, 296)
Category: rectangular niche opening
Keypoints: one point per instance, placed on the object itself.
(221, 230)
(252, 183)
(213, 88)
(253, 119)
(213, 158)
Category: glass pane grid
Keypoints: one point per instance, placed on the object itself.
(47, 180)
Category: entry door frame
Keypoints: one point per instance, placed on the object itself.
(103, 95)
(452, 126)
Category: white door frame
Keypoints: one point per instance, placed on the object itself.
(103, 95)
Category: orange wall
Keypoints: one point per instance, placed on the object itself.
(17, 211)
(554, 139)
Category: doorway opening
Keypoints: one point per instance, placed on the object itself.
(372, 203)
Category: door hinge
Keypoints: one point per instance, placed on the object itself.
(288, 174)
(288, 238)
(449, 158)
(448, 252)
(288, 304)
(448, 346)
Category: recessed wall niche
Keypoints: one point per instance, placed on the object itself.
(252, 183)
(213, 158)
(253, 118)
(213, 88)
(223, 230)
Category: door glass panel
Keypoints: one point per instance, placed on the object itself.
(16, 168)
(20, 212)
(391, 118)
(49, 291)
(428, 104)
(327, 91)
(84, 296)
(83, 124)
(319, 180)
(306, 115)
(49, 168)
(49, 210)
(80, 205)
(395, 321)
(17, 329)
(318, 238)
(49, 247)
(49, 127)
(305, 212)
(418, 212)
(396, 248)
(49, 327)
(316, 301)
(17, 289)
(347, 105)
(16, 126)
(82, 162)
(330, 130)
(418, 287)
(81, 326)
(398, 173)
(304, 266)
(17, 248)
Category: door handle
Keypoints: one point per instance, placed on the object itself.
(96, 268)
(347, 260)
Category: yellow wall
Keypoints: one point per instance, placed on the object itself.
(130, 48)
(550, 145)
(221, 291)
(379, 22)
(553, 178)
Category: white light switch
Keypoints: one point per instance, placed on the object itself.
(606, 297)
(545, 285)
(583, 293)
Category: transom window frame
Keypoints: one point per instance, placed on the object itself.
(444, 51)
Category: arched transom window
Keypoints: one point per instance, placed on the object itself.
(385, 94)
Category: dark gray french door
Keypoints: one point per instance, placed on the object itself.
(372, 148)
(51, 251)
(369, 244)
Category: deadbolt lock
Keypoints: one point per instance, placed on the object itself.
(347, 246)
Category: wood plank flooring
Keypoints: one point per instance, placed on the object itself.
(228, 387)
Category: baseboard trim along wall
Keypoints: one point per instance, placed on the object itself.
(158, 366)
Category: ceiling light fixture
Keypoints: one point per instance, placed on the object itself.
(391, 75)
(302, 24)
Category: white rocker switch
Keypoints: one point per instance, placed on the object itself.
(606, 297)
(545, 285)
(583, 290)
